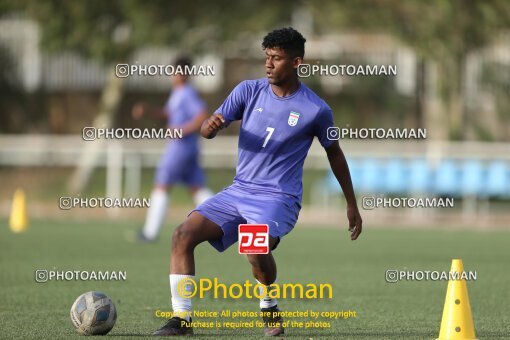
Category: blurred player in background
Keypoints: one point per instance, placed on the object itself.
(280, 118)
(184, 110)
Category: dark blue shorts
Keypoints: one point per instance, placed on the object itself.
(235, 205)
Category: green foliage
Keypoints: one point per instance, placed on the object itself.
(111, 30)
(435, 28)
(86, 27)
(440, 31)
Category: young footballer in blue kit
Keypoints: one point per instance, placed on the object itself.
(184, 109)
(280, 117)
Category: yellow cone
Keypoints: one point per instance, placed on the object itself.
(457, 322)
(19, 218)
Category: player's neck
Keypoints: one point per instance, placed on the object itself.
(178, 85)
(286, 90)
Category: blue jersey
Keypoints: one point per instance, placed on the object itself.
(276, 134)
(184, 105)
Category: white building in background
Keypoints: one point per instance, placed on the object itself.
(69, 71)
(20, 38)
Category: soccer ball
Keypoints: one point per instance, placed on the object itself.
(93, 313)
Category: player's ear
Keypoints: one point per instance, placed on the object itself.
(297, 61)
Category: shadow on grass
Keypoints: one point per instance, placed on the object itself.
(201, 335)
(361, 334)
(138, 335)
(353, 334)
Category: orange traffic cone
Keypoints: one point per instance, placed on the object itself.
(457, 322)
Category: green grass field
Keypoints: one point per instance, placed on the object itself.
(410, 310)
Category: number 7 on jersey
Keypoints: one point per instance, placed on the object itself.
(270, 130)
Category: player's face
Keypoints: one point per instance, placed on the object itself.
(280, 67)
(179, 79)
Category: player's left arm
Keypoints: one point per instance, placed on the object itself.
(341, 170)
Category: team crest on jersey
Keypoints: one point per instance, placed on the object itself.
(293, 118)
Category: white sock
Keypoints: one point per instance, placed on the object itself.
(266, 302)
(156, 214)
(202, 195)
(180, 305)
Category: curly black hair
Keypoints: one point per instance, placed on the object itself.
(288, 39)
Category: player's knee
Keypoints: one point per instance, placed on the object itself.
(162, 187)
(256, 261)
(182, 238)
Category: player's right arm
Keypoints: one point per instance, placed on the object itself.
(212, 125)
(231, 110)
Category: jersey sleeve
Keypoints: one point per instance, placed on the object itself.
(324, 122)
(233, 107)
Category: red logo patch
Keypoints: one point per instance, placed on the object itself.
(253, 239)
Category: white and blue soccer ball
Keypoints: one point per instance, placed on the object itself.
(93, 313)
